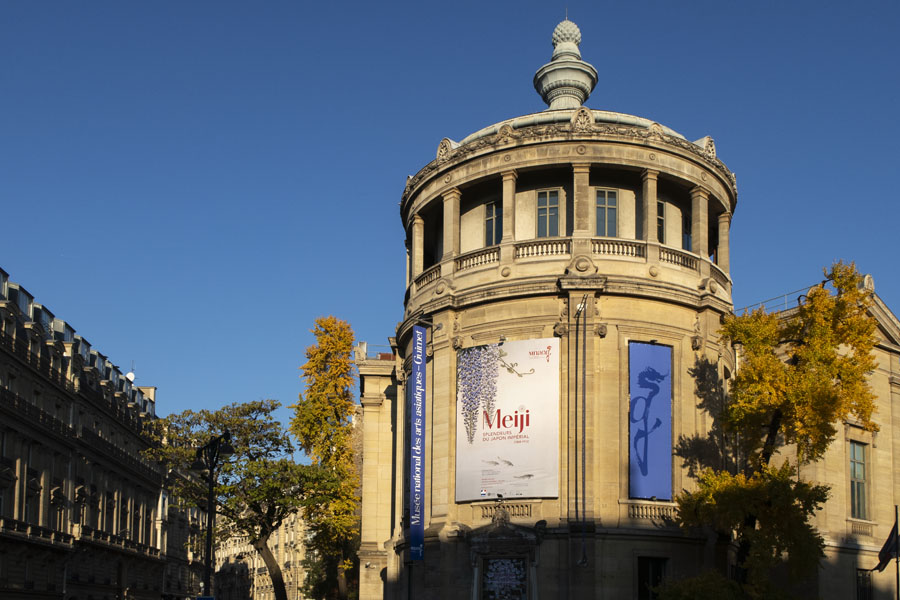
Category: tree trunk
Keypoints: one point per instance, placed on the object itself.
(273, 567)
(341, 579)
(765, 456)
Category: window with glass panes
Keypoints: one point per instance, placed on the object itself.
(863, 584)
(661, 221)
(606, 212)
(858, 480)
(548, 213)
(493, 223)
(685, 230)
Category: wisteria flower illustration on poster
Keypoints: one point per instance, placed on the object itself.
(476, 375)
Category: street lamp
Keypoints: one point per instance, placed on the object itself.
(215, 452)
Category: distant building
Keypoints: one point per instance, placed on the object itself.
(241, 573)
(82, 515)
(569, 271)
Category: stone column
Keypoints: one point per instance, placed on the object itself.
(451, 223)
(408, 266)
(700, 222)
(723, 250)
(581, 226)
(581, 220)
(509, 205)
(507, 243)
(648, 177)
(418, 246)
(649, 193)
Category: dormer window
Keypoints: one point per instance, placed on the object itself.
(548, 213)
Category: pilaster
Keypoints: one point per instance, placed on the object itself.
(648, 225)
(581, 226)
(507, 243)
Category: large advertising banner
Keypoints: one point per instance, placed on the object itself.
(416, 386)
(650, 421)
(507, 420)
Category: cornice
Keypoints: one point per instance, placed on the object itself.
(554, 285)
(576, 130)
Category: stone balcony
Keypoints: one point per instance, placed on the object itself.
(622, 261)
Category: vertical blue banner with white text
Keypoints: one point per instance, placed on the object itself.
(416, 385)
(650, 421)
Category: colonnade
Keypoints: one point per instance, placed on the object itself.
(581, 229)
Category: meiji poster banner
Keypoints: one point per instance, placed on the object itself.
(507, 420)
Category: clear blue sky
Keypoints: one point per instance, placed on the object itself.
(190, 184)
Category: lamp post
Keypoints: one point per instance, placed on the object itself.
(209, 456)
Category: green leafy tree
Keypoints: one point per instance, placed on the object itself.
(257, 488)
(800, 374)
(323, 424)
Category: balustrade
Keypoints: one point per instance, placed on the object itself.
(677, 257)
(619, 247)
(515, 510)
(719, 276)
(651, 511)
(477, 258)
(543, 247)
(428, 276)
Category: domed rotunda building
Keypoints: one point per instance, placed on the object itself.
(566, 270)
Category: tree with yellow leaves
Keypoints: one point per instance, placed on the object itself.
(323, 424)
(800, 374)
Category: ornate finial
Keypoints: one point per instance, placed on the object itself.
(566, 81)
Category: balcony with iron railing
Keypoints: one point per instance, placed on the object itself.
(15, 405)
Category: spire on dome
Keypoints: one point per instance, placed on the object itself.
(566, 81)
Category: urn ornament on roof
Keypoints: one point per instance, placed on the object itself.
(566, 81)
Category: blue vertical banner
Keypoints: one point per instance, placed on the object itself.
(650, 421)
(417, 447)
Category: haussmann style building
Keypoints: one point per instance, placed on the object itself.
(83, 516)
(567, 276)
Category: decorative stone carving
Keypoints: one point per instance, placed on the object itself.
(540, 133)
(601, 330)
(505, 134)
(457, 342)
(581, 265)
(505, 271)
(443, 150)
(560, 329)
(583, 120)
(654, 271)
(696, 342)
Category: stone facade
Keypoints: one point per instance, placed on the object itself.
(511, 236)
(82, 514)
